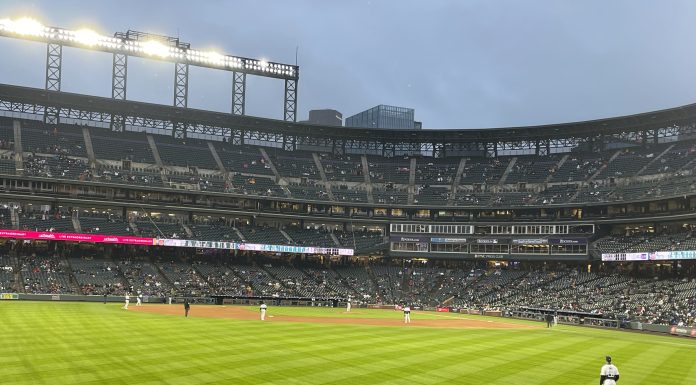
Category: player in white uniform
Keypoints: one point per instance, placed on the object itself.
(609, 374)
(348, 306)
(263, 308)
(127, 301)
(407, 314)
(139, 300)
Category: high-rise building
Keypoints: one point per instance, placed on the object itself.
(325, 117)
(383, 116)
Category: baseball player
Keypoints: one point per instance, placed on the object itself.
(407, 314)
(549, 320)
(139, 300)
(187, 307)
(263, 308)
(348, 306)
(127, 301)
(609, 374)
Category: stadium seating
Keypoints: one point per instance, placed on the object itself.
(611, 175)
(347, 168)
(263, 234)
(98, 276)
(45, 275)
(310, 237)
(122, 145)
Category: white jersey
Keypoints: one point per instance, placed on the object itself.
(610, 371)
(407, 310)
(263, 307)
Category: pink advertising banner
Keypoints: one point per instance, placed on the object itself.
(75, 237)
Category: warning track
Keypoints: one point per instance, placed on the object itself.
(240, 313)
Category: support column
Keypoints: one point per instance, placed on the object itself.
(54, 64)
(181, 71)
(238, 92)
(290, 105)
(119, 79)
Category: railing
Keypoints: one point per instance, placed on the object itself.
(567, 319)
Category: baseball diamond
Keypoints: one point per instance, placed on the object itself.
(174, 231)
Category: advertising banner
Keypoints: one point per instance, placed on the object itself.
(530, 241)
(489, 241)
(568, 241)
(131, 240)
(443, 309)
(409, 238)
(683, 331)
(75, 237)
(654, 256)
(447, 240)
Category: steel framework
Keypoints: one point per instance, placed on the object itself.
(54, 67)
(150, 46)
(290, 103)
(119, 81)
(638, 130)
(238, 92)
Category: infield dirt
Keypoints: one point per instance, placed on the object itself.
(240, 313)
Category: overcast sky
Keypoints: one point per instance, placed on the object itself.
(460, 64)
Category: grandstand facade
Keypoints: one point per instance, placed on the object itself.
(507, 213)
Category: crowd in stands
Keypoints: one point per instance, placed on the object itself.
(625, 171)
(651, 295)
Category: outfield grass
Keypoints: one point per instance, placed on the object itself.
(70, 343)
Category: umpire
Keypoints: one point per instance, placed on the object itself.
(549, 320)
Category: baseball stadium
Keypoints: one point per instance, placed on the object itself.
(143, 243)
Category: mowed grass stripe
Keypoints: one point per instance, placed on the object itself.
(58, 369)
(493, 358)
(93, 343)
(667, 370)
(374, 356)
(413, 356)
(578, 368)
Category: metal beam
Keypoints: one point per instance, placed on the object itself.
(290, 105)
(119, 80)
(181, 71)
(119, 76)
(54, 60)
(54, 65)
(135, 43)
(238, 92)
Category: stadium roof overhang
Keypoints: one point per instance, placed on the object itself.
(643, 122)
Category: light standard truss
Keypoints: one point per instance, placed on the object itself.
(156, 47)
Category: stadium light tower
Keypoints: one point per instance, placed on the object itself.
(150, 46)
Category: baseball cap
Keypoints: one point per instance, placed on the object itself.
(608, 358)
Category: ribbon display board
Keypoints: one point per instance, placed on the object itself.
(654, 256)
(131, 240)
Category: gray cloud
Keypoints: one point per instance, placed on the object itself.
(460, 64)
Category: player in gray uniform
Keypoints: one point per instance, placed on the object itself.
(263, 308)
(609, 374)
(407, 314)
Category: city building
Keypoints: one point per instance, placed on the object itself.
(325, 117)
(383, 116)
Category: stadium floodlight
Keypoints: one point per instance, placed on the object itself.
(157, 47)
(24, 26)
(87, 37)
